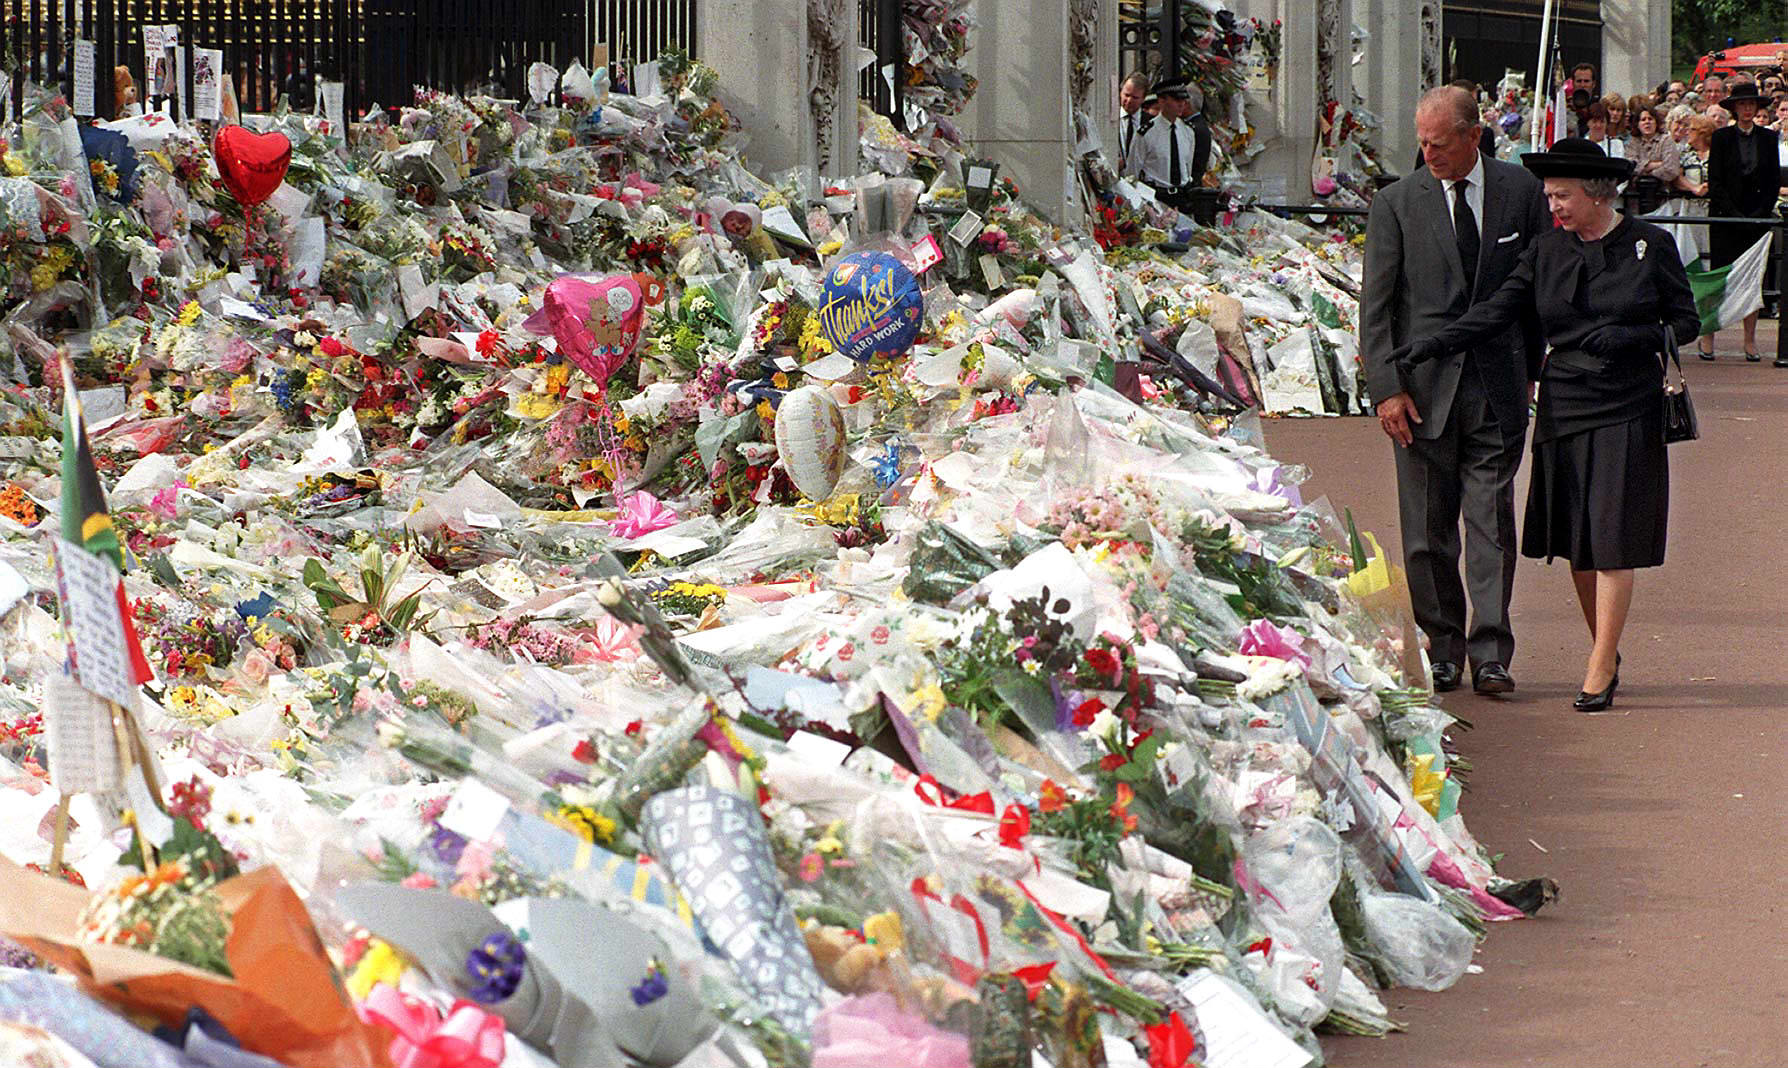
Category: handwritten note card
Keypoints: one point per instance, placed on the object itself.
(83, 749)
(86, 61)
(89, 587)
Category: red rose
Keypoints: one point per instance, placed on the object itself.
(1103, 662)
(1112, 761)
(1089, 708)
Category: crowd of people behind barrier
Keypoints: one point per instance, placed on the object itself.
(1684, 165)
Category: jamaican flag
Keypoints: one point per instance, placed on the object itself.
(86, 524)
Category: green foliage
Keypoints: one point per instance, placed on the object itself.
(1702, 26)
(205, 856)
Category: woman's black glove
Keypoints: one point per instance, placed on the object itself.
(1614, 339)
(1405, 357)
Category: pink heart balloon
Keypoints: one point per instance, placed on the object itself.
(596, 321)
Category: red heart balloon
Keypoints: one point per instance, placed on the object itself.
(251, 164)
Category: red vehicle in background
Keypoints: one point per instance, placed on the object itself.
(1741, 59)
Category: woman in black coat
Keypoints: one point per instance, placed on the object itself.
(1605, 288)
(1743, 179)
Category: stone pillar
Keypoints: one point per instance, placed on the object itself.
(1390, 79)
(1635, 45)
(1281, 172)
(766, 52)
(1019, 115)
(1103, 103)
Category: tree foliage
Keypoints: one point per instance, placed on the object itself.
(1702, 26)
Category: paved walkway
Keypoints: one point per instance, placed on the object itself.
(1664, 819)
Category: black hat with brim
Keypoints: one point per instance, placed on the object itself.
(1745, 93)
(1576, 157)
(1172, 87)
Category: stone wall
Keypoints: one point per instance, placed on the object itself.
(1023, 56)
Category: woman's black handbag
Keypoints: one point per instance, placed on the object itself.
(1680, 423)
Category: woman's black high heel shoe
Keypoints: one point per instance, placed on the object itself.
(1596, 702)
(1706, 354)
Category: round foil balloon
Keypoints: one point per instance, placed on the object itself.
(872, 306)
(810, 440)
(251, 164)
(596, 321)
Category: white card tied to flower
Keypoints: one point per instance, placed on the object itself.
(89, 588)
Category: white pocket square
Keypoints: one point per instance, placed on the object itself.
(1506, 240)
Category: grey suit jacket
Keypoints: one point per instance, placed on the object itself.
(1414, 285)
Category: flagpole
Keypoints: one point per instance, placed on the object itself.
(1541, 91)
(123, 730)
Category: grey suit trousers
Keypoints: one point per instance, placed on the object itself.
(1468, 470)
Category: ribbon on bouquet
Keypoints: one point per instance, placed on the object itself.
(466, 1037)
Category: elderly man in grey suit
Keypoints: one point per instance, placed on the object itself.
(1438, 241)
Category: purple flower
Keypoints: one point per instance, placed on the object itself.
(446, 845)
(495, 968)
(654, 986)
(13, 955)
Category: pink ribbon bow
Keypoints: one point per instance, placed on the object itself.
(468, 1037)
(641, 514)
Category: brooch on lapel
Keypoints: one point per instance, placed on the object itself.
(1639, 248)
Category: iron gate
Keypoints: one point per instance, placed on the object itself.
(379, 49)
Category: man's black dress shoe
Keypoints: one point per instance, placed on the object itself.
(1492, 678)
(1446, 676)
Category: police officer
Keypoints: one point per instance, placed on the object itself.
(1176, 148)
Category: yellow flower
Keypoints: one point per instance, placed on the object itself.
(586, 822)
(379, 964)
(189, 313)
(15, 166)
(885, 931)
(1425, 783)
(930, 702)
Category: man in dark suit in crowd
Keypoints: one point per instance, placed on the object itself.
(1437, 242)
(1583, 94)
(1135, 121)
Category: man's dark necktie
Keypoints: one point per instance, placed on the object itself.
(1173, 153)
(1465, 228)
(1129, 133)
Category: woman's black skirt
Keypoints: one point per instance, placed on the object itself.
(1601, 498)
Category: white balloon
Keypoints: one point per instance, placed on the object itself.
(810, 440)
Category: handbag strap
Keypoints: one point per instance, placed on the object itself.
(1671, 354)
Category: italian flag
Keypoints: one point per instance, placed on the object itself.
(1727, 294)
